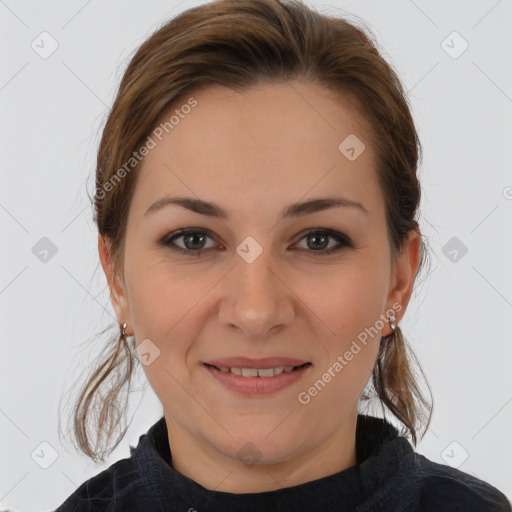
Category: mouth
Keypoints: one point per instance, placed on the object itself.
(257, 382)
(257, 372)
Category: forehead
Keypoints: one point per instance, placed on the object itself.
(267, 142)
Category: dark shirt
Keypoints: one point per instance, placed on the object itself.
(389, 476)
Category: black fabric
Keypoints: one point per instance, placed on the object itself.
(389, 476)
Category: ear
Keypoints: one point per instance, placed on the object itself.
(403, 276)
(116, 283)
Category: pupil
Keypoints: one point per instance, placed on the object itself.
(319, 236)
(191, 236)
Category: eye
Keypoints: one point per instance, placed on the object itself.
(320, 238)
(194, 240)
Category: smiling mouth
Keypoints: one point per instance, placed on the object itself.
(258, 372)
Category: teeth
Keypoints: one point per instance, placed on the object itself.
(257, 372)
(267, 372)
(250, 372)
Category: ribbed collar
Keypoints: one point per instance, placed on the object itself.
(384, 460)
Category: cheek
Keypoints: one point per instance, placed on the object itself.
(164, 306)
(349, 307)
(347, 301)
(350, 346)
(161, 292)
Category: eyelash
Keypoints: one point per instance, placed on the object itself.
(342, 239)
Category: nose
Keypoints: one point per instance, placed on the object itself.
(256, 299)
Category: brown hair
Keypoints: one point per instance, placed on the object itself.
(238, 44)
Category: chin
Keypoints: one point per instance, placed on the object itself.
(258, 447)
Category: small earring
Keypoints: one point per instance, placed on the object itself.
(123, 327)
(392, 321)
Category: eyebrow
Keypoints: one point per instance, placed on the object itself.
(294, 210)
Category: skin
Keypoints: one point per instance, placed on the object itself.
(267, 147)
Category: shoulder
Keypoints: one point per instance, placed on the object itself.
(449, 489)
(107, 491)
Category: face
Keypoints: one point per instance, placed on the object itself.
(256, 283)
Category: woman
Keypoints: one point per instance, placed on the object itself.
(256, 200)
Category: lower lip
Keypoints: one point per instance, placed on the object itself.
(258, 386)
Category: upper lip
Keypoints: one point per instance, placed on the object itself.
(247, 362)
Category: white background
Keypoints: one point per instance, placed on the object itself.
(52, 112)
